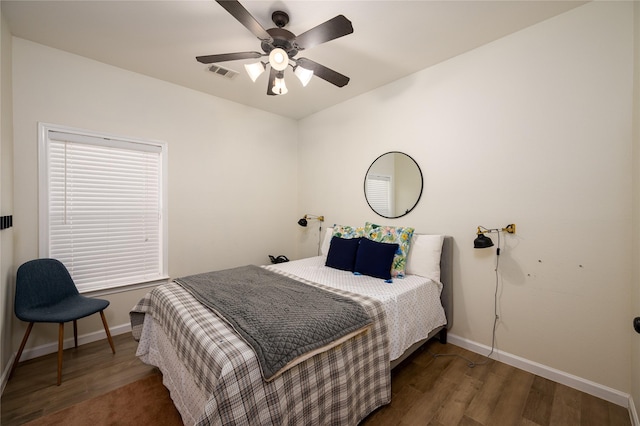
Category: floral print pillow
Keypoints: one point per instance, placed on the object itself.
(392, 234)
(347, 232)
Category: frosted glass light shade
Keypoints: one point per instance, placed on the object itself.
(279, 88)
(303, 74)
(254, 70)
(278, 59)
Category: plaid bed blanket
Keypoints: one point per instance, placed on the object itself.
(339, 386)
(252, 301)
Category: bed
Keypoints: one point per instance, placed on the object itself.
(215, 377)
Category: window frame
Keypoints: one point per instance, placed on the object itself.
(111, 140)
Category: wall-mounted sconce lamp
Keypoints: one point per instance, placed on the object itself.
(307, 217)
(304, 222)
(483, 241)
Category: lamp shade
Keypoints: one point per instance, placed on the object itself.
(482, 241)
(303, 74)
(279, 87)
(254, 70)
(307, 217)
(278, 59)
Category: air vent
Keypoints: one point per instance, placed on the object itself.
(223, 72)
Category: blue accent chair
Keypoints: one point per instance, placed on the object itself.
(45, 292)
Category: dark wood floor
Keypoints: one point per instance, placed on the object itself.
(444, 391)
(426, 390)
(88, 371)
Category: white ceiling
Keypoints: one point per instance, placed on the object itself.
(161, 39)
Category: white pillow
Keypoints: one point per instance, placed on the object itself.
(424, 256)
(324, 248)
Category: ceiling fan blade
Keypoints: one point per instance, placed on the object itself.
(211, 59)
(272, 78)
(330, 30)
(245, 18)
(323, 72)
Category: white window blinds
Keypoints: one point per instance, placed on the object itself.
(378, 190)
(104, 214)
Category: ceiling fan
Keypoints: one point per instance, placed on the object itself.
(281, 47)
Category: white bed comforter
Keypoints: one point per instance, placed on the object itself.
(412, 304)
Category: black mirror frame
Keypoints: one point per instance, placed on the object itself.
(419, 195)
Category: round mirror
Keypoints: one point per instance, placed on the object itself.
(393, 185)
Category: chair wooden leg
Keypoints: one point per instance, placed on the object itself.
(75, 332)
(60, 348)
(106, 330)
(19, 354)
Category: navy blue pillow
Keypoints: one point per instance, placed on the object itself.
(342, 253)
(375, 259)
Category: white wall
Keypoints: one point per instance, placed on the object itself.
(232, 169)
(635, 373)
(533, 129)
(6, 194)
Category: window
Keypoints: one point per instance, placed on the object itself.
(378, 193)
(102, 207)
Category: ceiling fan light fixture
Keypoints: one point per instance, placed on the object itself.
(282, 46)
(279, 59)
(254, 70)
(303, 74)
(279, 88)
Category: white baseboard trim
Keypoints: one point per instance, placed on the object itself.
(633, 413)
(49, 348)
(5, 372)
(52, 347)
(608, 394)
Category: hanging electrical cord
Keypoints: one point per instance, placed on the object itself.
(472, 364)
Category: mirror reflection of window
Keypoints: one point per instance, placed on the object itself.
(378, 189)
(393, 184)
